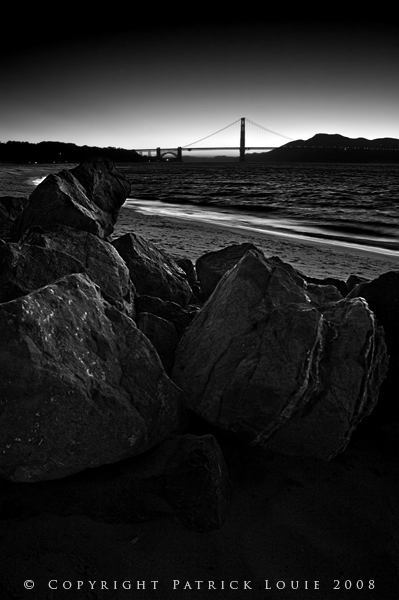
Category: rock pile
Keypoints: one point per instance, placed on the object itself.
(106, 353)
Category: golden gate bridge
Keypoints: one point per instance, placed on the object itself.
(177, 153)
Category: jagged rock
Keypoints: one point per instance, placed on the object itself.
(185, 476)
(163, 336)
(211, 267)
(25, 268)
(170, 311)
(382, 296)
(263, 360)
(152, 271)
(10, 209)
(80, 385)
(100, 260)
(87, 197)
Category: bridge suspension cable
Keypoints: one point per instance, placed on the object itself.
(211, 134)
(269, 130)
(234, 123)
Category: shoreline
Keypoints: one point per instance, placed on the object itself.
(314, 257)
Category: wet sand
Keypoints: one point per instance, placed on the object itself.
(183, 237)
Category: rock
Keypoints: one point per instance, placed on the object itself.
(163, 336)
(87, 197)
(152, 271)
(197, 483)
(354, 280)
(107, 187)
(340, 284)
(322, 294)
(170, 311)
(25, 268)
(187, 265)
(382, 296)
(185, 476)
(80, 385)
(211, 267)
(101, 261)
(10, 209)
(261, 357)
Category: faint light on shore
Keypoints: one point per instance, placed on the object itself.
(38, 180)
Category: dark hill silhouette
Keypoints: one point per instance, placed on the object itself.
(324, 147)
(60, 152)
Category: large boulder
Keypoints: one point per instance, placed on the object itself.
(152, 271)
(104, 184)
(87, 197)
(382, 296)
(280, 366)
(101, 261)
(80, 385)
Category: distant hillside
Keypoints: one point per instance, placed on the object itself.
(60, 152)
(324, 147)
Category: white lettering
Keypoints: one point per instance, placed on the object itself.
(247, 586)
(187, 586)
(141, 585)
(104, 585)
(92, 584)
(176, 582)
(231, 585)
(295, 587)
(67, 585)
(267, 585)
(280, 585)
(155, 584)
(127, 585)
(53, 581)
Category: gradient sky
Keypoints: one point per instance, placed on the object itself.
(143, 80)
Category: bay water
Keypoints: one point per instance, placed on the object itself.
(344, 204)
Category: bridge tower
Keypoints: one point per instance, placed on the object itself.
(242, 140)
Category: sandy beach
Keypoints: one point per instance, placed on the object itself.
(189, 238)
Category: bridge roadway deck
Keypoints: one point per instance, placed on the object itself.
(210, 148)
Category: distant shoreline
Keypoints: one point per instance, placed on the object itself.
(322, 147)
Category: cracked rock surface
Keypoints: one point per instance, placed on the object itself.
(282, 364)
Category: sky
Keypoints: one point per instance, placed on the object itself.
(167, 77)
